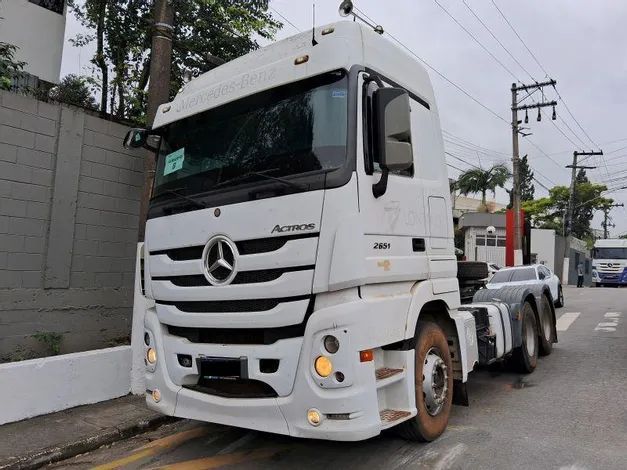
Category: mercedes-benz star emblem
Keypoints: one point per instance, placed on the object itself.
(219, 260)
(610, 265)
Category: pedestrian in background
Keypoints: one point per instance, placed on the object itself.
(580, 275)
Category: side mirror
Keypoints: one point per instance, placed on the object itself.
(135, 138)
(138, 138)
(392, 134)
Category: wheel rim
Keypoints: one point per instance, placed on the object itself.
(435, 382)
(530, 339)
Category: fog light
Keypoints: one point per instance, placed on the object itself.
(156, 395)
(331, 344)
(313, 417)
(323, 366)
(151, 355)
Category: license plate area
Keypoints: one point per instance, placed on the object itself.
(225, 368)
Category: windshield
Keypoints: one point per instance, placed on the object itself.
(610, 253)
(290, 130)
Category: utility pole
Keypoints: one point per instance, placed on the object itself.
(158, 89)
(516, 157)
(606, 211)
(571, 200)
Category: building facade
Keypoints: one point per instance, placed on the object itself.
(37, 29)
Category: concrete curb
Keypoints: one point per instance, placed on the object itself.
(71, 449)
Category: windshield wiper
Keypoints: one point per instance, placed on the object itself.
(263, 175)
(183, 196)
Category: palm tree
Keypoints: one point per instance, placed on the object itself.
(481, 181)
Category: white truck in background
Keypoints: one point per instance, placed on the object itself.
(609, 262)
(299, 249)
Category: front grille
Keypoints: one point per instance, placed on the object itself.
(244, 277)
(245, 247)
(232, 306)
(237, 335)
(240, 388)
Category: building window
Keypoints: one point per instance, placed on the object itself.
(52, 5)
(500, 242)
(480, 240)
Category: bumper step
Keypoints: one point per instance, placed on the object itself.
(389, 416)
(386, 376)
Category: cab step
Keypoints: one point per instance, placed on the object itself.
(386, 376)
(390, 416)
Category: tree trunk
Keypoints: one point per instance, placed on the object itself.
(100, 59)
(158, 90)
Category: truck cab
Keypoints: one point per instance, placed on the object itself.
(299, 249)
(609, 262)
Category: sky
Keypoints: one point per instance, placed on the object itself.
(579, 43)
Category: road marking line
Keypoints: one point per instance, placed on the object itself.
(218, 461)
(610, 323)
(155, 447)
(245, 439)
(564, 322)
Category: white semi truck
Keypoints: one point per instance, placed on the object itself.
(299, 249)
(609, 262)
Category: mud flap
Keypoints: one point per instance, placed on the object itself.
(460, 393)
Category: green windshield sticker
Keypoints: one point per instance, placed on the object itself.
(174, 161)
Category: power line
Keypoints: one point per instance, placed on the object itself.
(444, 77)
(546, 73)
(286, 19)
(518, 36)
(477, 41)
(497, 39)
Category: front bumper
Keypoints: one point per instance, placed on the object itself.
(350, 410)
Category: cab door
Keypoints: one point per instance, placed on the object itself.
(394, 224)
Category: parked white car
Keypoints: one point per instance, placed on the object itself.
(530, 274)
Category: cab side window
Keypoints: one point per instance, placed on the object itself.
(371, 155)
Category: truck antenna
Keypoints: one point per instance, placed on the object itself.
(346, 8)
(313, 26)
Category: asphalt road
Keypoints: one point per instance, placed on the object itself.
(571, 413)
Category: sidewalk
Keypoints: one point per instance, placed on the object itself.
(38, 441)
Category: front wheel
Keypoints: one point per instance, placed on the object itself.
(433, 385)
(560, 297)
(525, 357)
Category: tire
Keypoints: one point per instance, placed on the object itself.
(432, 353)
(525, 357)
(599, 284)
(545, 329)
(560, 297)
(472, 270)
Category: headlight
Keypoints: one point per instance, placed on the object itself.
(151, 355)
(323, 366)
(331, 344)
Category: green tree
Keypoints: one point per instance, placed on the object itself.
(480, 181)
(75, 90)
(10, 68)
(206, 33)
(527, 188)
(549, 212)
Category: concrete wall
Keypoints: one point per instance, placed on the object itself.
(543, 246)
(69, 204)
(38, 33)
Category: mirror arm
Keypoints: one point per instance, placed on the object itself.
(379, 188)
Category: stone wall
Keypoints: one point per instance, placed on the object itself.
(69, 205)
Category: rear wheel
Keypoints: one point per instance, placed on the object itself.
(545, 329)
(525, 357)
(560, 297)
(433, 384)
